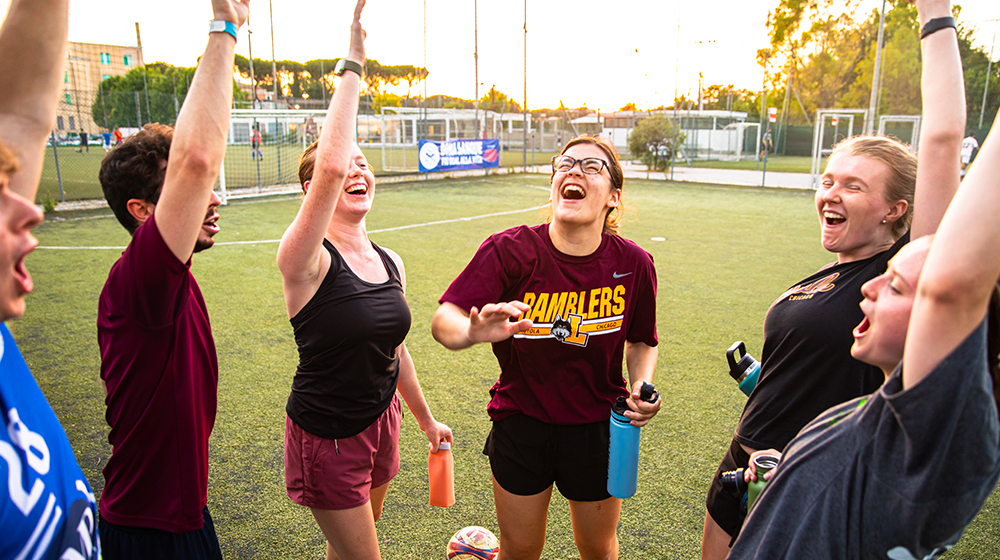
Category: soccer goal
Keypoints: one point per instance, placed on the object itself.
(832, 126)
(263, 150)
(905, 128)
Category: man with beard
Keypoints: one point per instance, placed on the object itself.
(158, 361)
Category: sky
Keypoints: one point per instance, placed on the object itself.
(599, 53)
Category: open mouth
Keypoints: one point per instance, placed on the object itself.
(357, 189)
(862, 328)
(833, 218)
(22, 276)
(573, 192)
(210, 225)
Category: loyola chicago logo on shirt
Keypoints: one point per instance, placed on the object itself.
(807, 291)
(573, 317)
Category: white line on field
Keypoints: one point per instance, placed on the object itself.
(411, 226)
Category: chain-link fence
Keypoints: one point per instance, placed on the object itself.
(87, 126)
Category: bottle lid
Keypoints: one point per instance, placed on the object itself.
(444, 445)
(620, 406)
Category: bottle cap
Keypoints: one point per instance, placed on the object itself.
(620, 406)
(444, 445)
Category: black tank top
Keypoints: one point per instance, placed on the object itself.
(347, 336)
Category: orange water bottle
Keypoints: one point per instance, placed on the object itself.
(441, 475)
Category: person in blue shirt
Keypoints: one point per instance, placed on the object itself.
(47, 509)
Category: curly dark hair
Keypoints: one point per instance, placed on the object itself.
(136, 169)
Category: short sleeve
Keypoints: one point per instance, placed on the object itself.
(148, 283)
(643, 326)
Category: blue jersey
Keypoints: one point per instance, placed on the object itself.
(47, 510)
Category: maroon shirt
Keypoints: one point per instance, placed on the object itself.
(158, 361)
(567, 369)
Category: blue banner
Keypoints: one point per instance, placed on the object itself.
(459, 154)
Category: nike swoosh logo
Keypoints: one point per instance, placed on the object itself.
(616, 275)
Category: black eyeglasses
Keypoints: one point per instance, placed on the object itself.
(590, 166)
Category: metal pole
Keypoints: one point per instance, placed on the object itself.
(524, 110)
(253, 81)
(763, 102)
(55, 156)
(322, 81)
(274, 65)
(145, 86)
(475, 55)
(876, 78)
(989, 68)
(677, 67)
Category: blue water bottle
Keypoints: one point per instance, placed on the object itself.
(623, 455)
(746, 370)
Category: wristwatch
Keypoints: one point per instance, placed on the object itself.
(344, 65)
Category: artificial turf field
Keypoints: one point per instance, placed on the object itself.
(727, 253)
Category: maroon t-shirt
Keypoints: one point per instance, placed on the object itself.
(158, 361)
(567, 369)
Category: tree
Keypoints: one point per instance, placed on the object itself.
(153, 93)
(652, 141)
(498, 102)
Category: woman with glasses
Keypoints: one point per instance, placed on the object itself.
(562, 303)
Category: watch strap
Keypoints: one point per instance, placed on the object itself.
(937, 24)
(222, 26)
(344, 65)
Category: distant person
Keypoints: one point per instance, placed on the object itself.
(346, 302)
(158, 358)
(766, 144)
(47, 508)
(560, 356)
(118, 136)
(310, 130)
(84, 142)
(106, 136)
(969, 148)
(255, 139)
(869, 202)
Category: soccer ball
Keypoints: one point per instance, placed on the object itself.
(473, 543)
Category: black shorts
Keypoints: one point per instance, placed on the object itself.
(725, 506)
(528, 455)
(123, 542)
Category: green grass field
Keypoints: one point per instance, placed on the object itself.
(727, 253)
(79, 171)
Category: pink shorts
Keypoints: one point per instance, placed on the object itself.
(339, 474)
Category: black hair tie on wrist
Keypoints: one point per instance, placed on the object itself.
(937, 24)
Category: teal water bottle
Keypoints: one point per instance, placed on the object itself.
(746, 370)
(764, 464)
(623, 454)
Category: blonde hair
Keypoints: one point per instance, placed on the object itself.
(902, 166)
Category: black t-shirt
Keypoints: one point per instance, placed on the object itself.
(806, 363)
(347, 337)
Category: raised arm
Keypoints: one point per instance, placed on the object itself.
(962, 267)
(942, 127)
(199, 141)
(300, 254)
(32, 53)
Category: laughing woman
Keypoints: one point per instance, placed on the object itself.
(345, 300)
(585, 297)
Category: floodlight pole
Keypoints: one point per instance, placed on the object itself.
(876, 77)
(989, 68)
(524, 110)
(253, 81)
(145, 86)
(677, 69)
(475, 55)
(274, 65)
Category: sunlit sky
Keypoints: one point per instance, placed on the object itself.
(602, 54)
